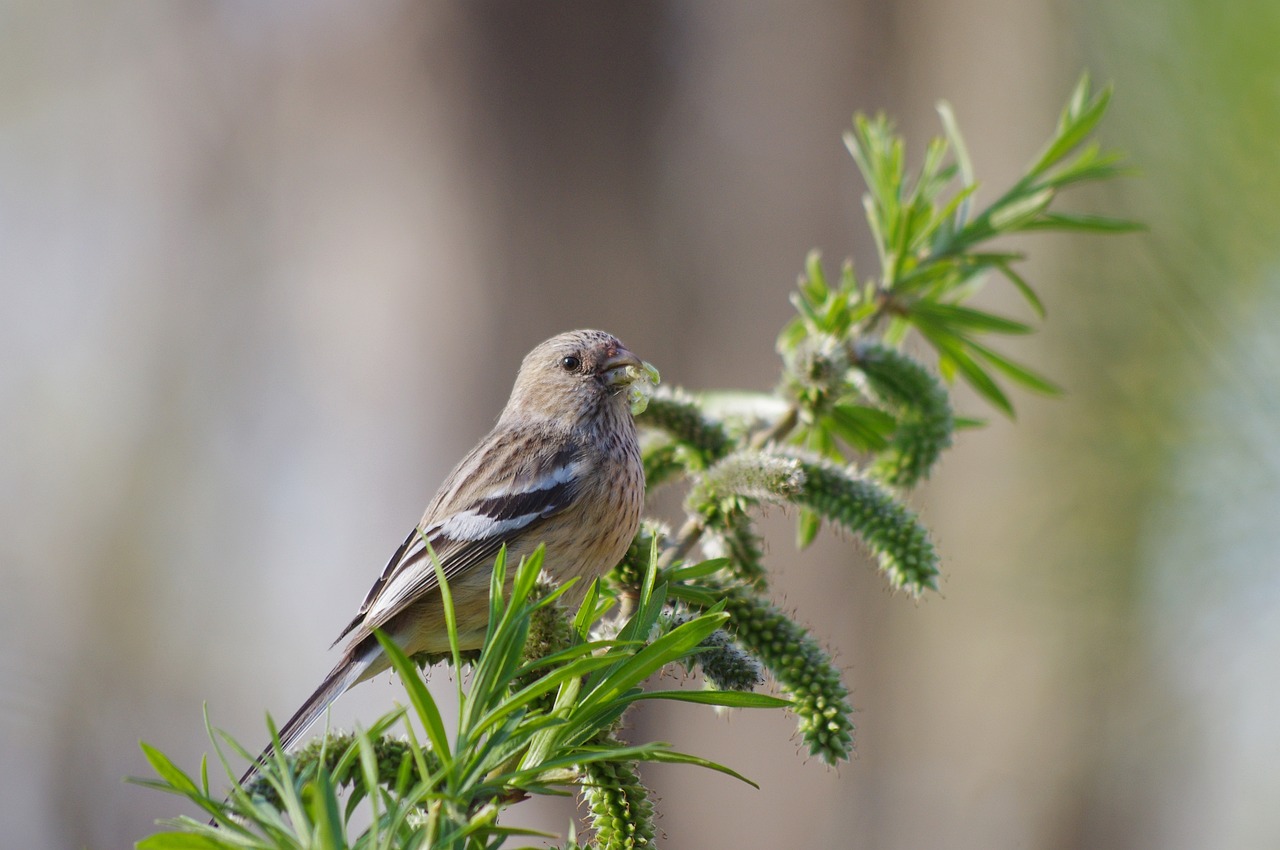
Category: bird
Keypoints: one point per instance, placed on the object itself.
(561, 468)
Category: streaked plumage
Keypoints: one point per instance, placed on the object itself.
(561, 468)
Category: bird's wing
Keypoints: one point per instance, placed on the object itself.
(466, 527)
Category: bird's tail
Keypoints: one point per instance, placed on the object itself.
(350, 670)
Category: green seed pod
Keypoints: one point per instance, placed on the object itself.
(923, 410)
(890, 529)
(621, 812)
(680, 416)
(742, 478)
(802, 669)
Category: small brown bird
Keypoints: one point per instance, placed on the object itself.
(562, 467)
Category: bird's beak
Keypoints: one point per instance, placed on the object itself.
(621, 368)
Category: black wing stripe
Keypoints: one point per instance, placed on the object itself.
(525, 503)
(387, 572)
(470, 535)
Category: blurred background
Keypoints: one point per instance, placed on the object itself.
(267, 270)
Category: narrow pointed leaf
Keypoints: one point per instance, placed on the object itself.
(1087, 223)
(728, 699)
(181, 841)
(1020, 283)
(958, 317)
(168, 771)
(1016, 371)
(423, 703)
(673, 757)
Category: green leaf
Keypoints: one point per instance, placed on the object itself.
(957, 317)
(674, 645)
(576, 756)
(423, 703)
(808, 523)
(1086, 223)
(588, 611)
(728, 699)
(821, 442)
(1078, 120)
(1023, 287)
(952, 128)
(322, 806)
(673, 757)
(793, 333)
(182, 841)
(865, 428)
(545, 684)
(896, 332)
(687, 571)
(369, 771)
(1021, 211)
(953, 356)
(693, 595)
(169, 772)
(815, 279)
(980, 381)
(1089, 165)
(1015, 371)
(446, 599)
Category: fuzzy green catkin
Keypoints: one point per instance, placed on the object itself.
(726, 666)
(680, 416)
(549, 631)
(921, 406)
(621, 813)
(743, 477)
(801, 667)
(631, 570)
(326, 751)
(549, 627)
(889, 528)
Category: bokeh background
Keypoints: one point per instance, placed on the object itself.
(266, 271)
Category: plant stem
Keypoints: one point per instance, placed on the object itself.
(779, 430)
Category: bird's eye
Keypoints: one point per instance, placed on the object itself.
(571, 363)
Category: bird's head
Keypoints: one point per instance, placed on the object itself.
(577, 374)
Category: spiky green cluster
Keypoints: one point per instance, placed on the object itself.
(326, 751)
(629, 572)
(549, 628)
(800, 666)
(680, 416)
(816, 370)
(621, 813)
(726, 666)
(890, 529)
(549, 631)
(921, 407)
